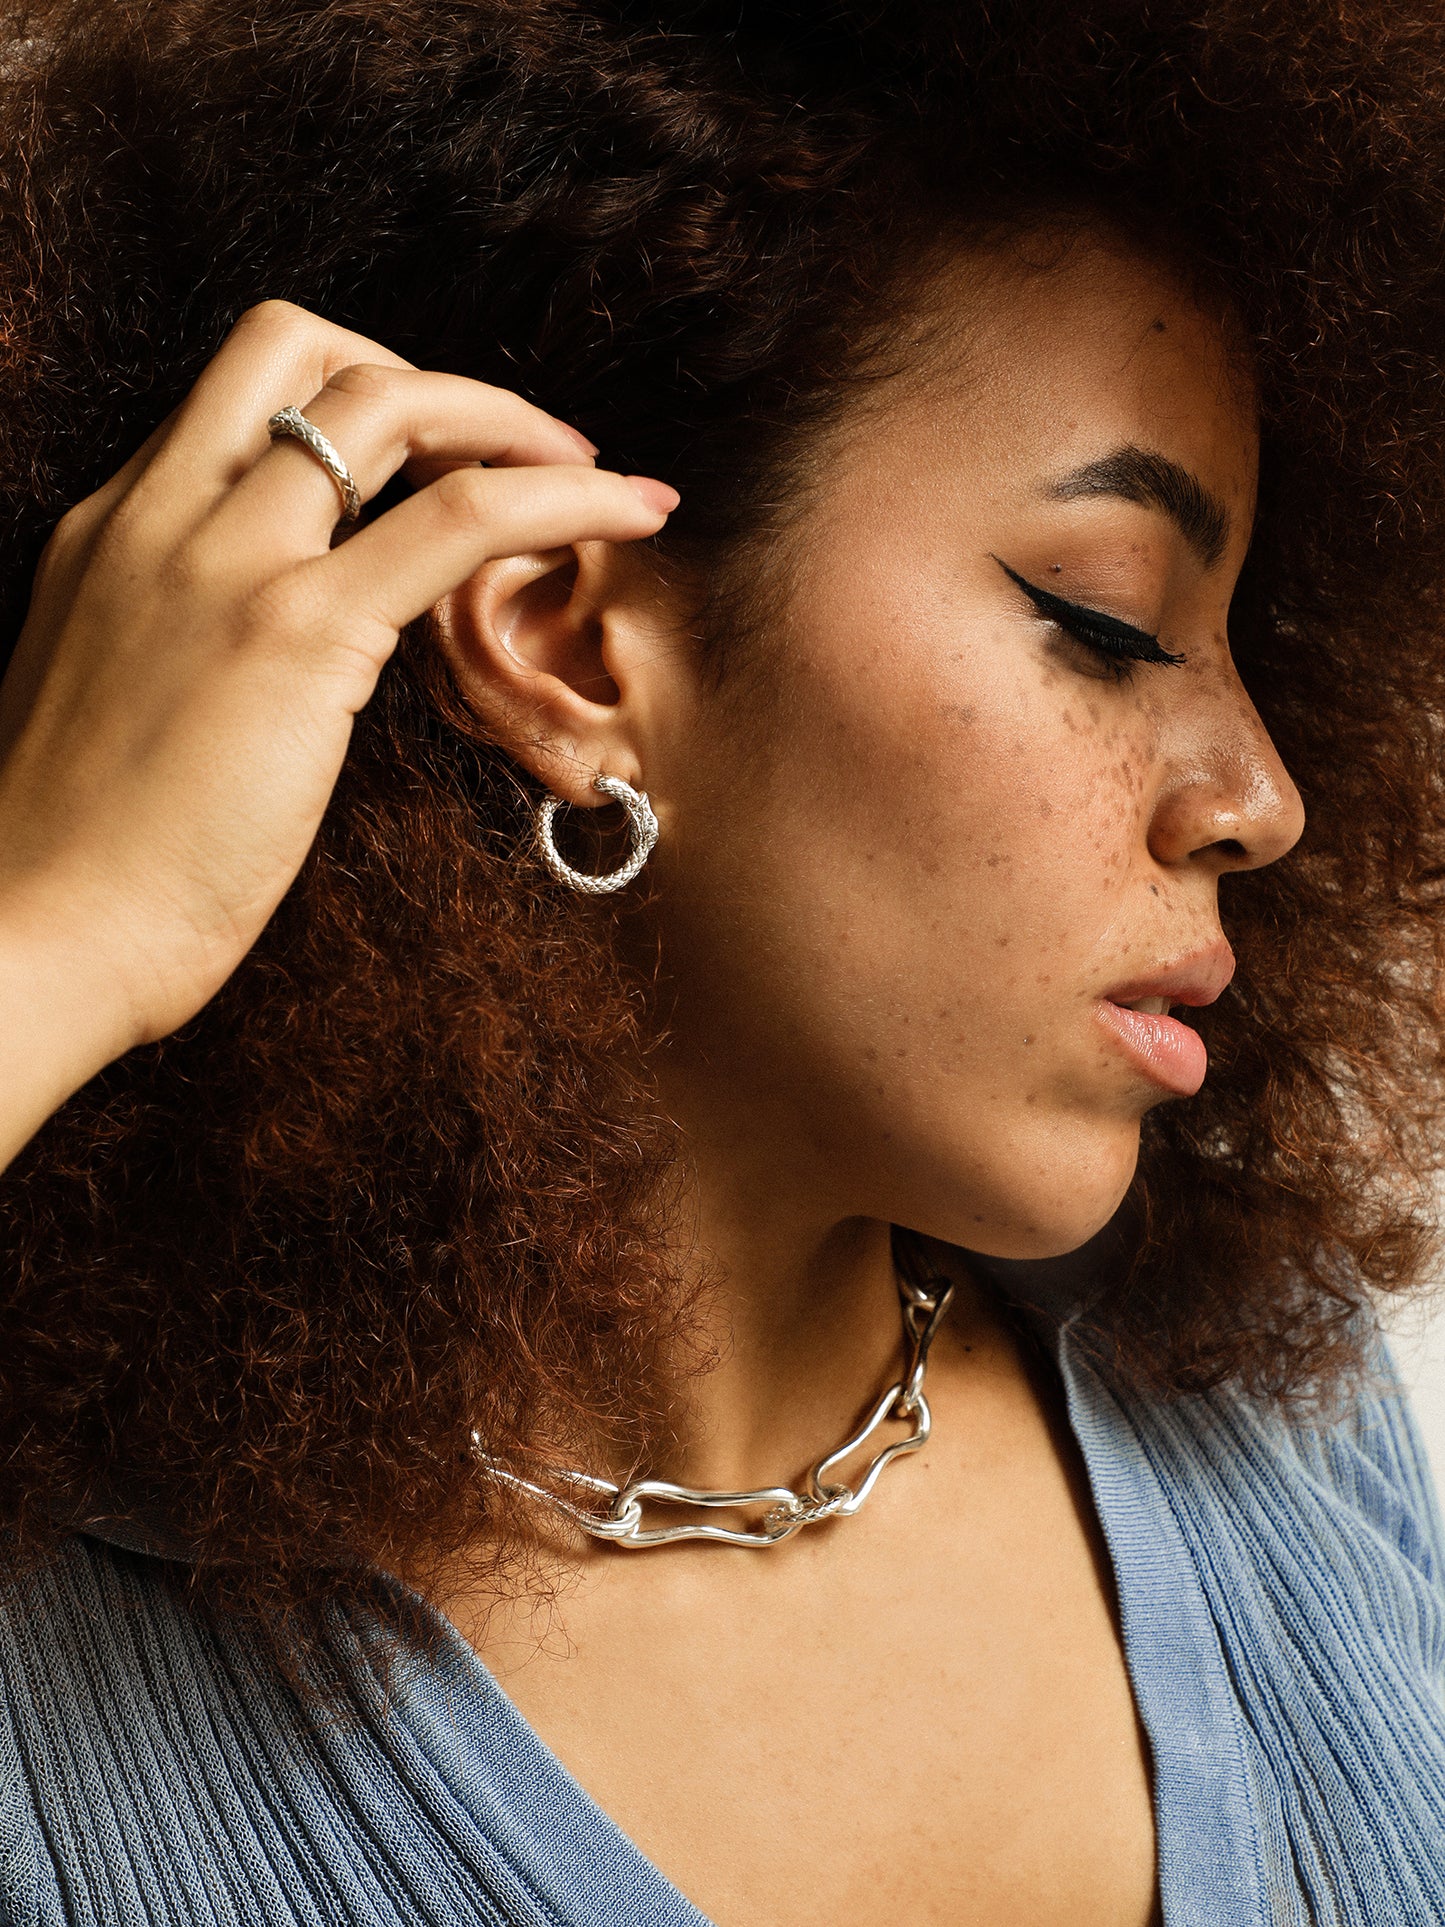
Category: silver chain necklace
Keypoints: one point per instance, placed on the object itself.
(615, 1511)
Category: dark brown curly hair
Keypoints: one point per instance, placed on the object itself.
(403, 1178)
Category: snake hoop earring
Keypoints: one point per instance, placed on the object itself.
(641, 821)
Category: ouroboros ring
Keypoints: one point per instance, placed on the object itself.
(290, 421)
(641, 823)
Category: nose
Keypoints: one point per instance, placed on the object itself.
(1228, 802)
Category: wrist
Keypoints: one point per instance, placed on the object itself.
(64, 1015)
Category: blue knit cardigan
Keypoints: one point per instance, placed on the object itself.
(1283, 1609)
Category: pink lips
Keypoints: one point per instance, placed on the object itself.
(1166, 1051)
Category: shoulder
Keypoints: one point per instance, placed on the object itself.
(1332, 1501)
(64, 1681)
(1350, 1468)
(1343, 1484)
(139, 1746)
(1311, 1539)
(1369, 1456)
(156, 1765)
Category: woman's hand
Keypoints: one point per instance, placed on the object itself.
(183, 691)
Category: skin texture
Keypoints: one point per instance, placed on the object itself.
(927, 1701)
(907, 848)
(904, 853)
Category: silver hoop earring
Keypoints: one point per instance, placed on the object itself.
(641, 822)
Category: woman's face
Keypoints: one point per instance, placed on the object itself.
(923, 850)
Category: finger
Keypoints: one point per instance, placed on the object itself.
(378, 419)
(274, 354)
(399, 566)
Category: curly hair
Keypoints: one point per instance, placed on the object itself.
(403, 1178)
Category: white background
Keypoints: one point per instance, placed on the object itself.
(1417, 1336)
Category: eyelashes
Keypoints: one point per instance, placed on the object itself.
(1119, 642)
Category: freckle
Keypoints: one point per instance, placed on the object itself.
(1002, 942)
(1046, 808)
(995, 860)
(1153, 889)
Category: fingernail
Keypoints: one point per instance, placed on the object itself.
(661, 499)
(581, 440)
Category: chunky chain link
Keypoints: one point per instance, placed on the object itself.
(615, 1512)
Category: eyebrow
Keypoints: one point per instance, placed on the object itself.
(1153, 481)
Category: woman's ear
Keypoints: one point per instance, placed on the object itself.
(552, 651)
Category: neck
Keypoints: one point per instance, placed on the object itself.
(800, 1313)
(800, 1319)
(805, 1329)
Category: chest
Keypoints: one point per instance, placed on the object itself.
(925, 1706)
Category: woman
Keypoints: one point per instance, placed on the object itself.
(1020, 479)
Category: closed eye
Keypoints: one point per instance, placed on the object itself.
(1120, 642)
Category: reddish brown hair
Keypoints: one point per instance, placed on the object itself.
(400, 1179)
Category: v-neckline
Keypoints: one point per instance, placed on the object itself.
(589, 1871)
(503, 1793)
(580, 1867)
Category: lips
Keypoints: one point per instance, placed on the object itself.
(1135, 1016)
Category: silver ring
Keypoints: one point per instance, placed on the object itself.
(641, 822)
(290, 421)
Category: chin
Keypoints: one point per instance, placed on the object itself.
(1077, 1183)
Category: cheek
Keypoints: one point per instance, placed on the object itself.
(897, 889)
(993, 803)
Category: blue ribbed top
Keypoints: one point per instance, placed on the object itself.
(1283, 1608)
